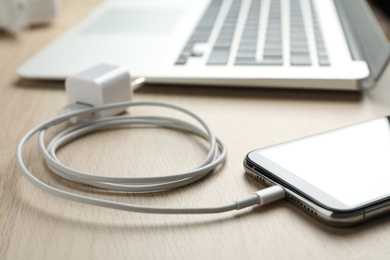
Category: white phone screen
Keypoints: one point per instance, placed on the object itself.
(351, 164)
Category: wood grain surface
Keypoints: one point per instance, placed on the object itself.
(37, 225)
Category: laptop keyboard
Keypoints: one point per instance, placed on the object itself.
(273, 50)
(222, 46)
(321, 49)
(253, 49)
(201, 33)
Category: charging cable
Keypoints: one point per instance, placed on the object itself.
(93, 118)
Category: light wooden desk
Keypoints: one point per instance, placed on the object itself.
(36, 225)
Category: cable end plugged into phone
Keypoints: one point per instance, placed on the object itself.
(262, 197)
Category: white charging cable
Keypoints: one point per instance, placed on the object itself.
(215, 156)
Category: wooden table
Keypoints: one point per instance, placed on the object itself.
(36, 225)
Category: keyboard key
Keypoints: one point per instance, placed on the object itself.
(273, 51)
(181, 60)
(244, 59)
(267, 61)
(248, 46)
(196, 53)
(218, 57)
(250, 41)
(321, 52)
(323, 61)
(300, 60)
(222, 44)
(300, 52)
(245, 54)
(270, 62)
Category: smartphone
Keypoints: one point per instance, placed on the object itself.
(340, 177)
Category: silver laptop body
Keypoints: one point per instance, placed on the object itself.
(320, 44)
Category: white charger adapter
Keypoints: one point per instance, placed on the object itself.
(99, 85)
(15, 15)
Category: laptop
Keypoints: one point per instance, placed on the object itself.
(317, 44)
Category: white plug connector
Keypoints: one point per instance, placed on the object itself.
(262, 197)
(97, 86)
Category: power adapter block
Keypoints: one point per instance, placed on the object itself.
(96, 86)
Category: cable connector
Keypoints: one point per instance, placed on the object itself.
(73, 108)
(262, 197)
